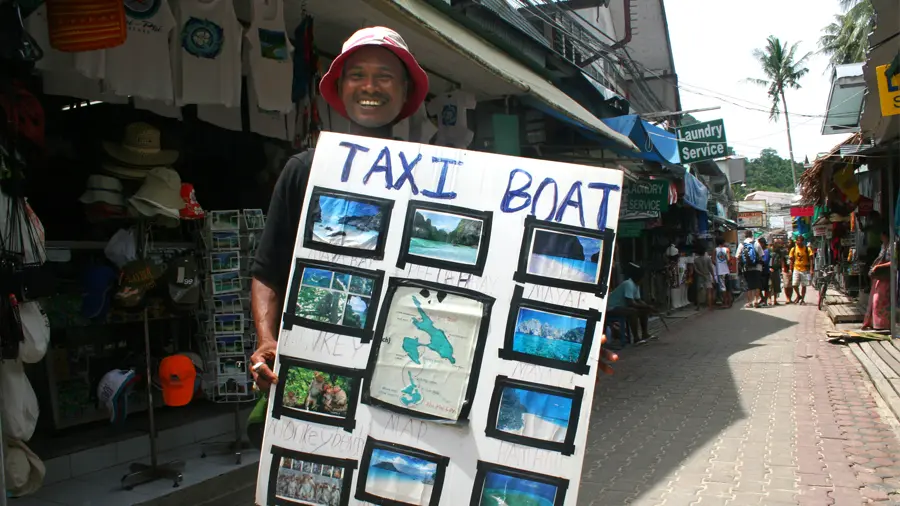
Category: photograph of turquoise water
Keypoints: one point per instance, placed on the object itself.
(346, 222)
(334, 297)
(534, 414)
(549, 335)
(401, 477)
(503, 490)
(565, 256)
(445, 236)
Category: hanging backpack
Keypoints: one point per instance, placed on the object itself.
(748, 255)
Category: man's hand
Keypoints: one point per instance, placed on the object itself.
(606, 356)
(265, 353)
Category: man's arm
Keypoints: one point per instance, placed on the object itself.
(272, 264)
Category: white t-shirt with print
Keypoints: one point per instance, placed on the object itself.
(271, 57)
(721, 259)
(450, 109)
(141, 67)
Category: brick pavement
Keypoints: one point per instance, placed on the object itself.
(740, 407)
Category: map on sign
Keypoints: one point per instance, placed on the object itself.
(426, 351)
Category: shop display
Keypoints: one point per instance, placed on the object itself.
(451, 110)
(270, 57)
(141, 67)
(425, 256)
(446, 237)
(535, 415)
(78, 25)
(395, 474)
(548, 334)
(426, 355)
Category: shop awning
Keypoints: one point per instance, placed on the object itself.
(655, 144)
(845, 100)
(494, 60)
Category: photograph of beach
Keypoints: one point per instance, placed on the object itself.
(345, 222)
(535, 415)
(445, 236)
(400, 477)
(504, 490)
(549, 335)
(302, 483)
(565, 256)
(334, 297)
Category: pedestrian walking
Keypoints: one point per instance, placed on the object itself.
(801, 257)
(749, 255)
(723, 255)
(779, 258)
(764, 284)
(704, 276)
(786, 274)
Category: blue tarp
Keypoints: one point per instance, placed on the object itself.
(656, 144)
(696, 194)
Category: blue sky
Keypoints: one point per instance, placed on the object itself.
(563, 323)
(445, 222)
(544, 405)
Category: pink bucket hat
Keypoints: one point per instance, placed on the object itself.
(388, 39)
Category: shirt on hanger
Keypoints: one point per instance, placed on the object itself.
(271, 64)
(207, 53)
(91, 64)
(141, 67)
(450, 109)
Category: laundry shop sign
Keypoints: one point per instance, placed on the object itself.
(703, 141)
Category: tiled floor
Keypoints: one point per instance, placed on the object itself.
(102, 487)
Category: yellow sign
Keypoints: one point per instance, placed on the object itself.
(888, 91)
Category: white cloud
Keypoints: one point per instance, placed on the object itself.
(712, 43)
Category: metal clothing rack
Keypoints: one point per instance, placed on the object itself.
(141, 473)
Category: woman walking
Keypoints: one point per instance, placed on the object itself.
(878, 313)
(786, 275)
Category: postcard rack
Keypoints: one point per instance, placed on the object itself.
(229, 241)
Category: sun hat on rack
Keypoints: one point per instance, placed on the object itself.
(390, 40)
(123, 172)
(160, 195)
(141, 147)
(105, 189)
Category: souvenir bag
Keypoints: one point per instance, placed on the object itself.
(86, 25)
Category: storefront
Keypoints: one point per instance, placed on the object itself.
(137, 220)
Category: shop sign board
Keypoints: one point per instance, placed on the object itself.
(646, 196)
(821, 230)
(442, 320)
(752, 219)
(888, 91)
(630, 229)
(703, 141)
(802, 210)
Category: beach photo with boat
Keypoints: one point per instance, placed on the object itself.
(565, 256)
(534, 414)
(346, 222)
(548, 335)
(505, 490)
(400, 477)
(445, 236)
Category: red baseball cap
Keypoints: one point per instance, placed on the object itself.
(177, 375)
(388, 39)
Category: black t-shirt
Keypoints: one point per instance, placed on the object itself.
(276, 247)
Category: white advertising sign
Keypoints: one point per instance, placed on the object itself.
(441, 330)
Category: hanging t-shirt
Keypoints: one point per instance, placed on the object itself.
(91, 64)
(207, 53)
(450, 109)
(53, 60)
(722, 261)
(271, 64)
(272, 124)
(141, 66)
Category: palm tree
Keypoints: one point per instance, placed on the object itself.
(846, 39)
(783, 69)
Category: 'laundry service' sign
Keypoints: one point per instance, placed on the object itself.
(703, 141)
(442, 327)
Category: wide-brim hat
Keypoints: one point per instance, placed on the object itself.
(390, 40)
(160, 195)
(141, 147)
(123, 172)
(105, 189)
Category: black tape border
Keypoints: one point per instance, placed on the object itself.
(364, 334)
(486, 218)
(386, 205)
(592, 317)
(567, 447)
(487, 304)
(371, 444)
(348, 423)
(483, 468)
(607, 236)
(277, 452)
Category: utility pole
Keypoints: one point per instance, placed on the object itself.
(787, 122)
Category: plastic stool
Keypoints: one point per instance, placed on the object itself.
(625, 335)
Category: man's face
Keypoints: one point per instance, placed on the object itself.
(800, 241)
(373, 87)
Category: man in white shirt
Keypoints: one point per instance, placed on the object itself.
(750, 255)
(626, 301)
(722, 255)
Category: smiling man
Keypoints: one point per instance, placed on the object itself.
(375, 82)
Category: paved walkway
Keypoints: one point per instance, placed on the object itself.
(740, 407)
